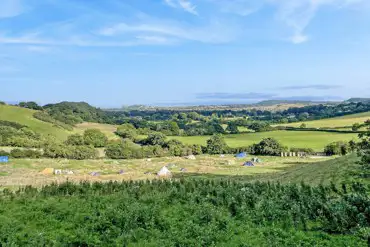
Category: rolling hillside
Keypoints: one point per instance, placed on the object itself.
(344, 121)
(25, 117)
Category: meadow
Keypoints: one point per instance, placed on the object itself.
(298, 139)
(343, 122)
(315, 170)
(25, 116)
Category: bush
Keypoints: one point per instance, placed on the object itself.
(4, 153)
(45, 117)
(268, 146)
(25, 153)
(216, 145)
(95, 138)
(337, 148)
(75, 140)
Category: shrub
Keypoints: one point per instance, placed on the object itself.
(337, 148)
(4, 153)
(268, 146)
(95, 138)
(25, 153)
(216, 145)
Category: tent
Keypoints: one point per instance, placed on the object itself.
(241, 155)
(48, 171)
(257, 160)
(182, 170)
(248, 163)
(191, 157)
(164, 172)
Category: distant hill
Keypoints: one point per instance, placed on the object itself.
(358, 100)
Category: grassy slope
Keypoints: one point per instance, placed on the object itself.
(25, 117)
(343, 121)
(107, 129)
(342, 169)
(309, 139)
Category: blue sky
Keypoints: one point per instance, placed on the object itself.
(115, 52)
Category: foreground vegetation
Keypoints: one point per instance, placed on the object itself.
(185, 213)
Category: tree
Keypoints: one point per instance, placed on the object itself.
(364, 150)
(232, 128)
(337, 148)
(303, 126)
(127, 131)
(30, 105)
(75, 140)
(216, 145)
(268, 146)
(95, 138)
(155, 138)
(356, 126)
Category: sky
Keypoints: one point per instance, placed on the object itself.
(171, 52)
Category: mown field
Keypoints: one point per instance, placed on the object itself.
(288, 169)
(107, 129)
(344, 121)
(25, 116)
(308, 139)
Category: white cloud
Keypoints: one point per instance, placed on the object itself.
(186, 5)
(11, 8)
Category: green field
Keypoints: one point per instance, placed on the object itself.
(344, 121)
(286, 170)
(309, 139)
(25, 117)
(107, 129)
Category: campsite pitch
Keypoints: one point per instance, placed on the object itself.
(39, 172)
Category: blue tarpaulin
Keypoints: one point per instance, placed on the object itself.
(241, 155)
(248, 163)
(4, 159)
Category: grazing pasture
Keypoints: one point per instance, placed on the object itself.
(299, 139)
(344, 121)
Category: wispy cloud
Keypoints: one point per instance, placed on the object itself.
(214, 32)
(11, 8)
(234, 95)
(183, 4)
(316, 87)
(297, 14)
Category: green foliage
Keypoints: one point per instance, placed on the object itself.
(185, 213)
(260, 126)
(364, 150)
(75, 112)
(356, 126)
(44, 116)
(30, 105)
(155, 139)
(95, 138)
(216, 145)
(75, 140)
(268, 146)
(127, 131)
(24, 137)
(125, 149)
(4, 153)
(232, 128)
(12, 124)
(25, 153)
(337, 148)
(59, 150)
